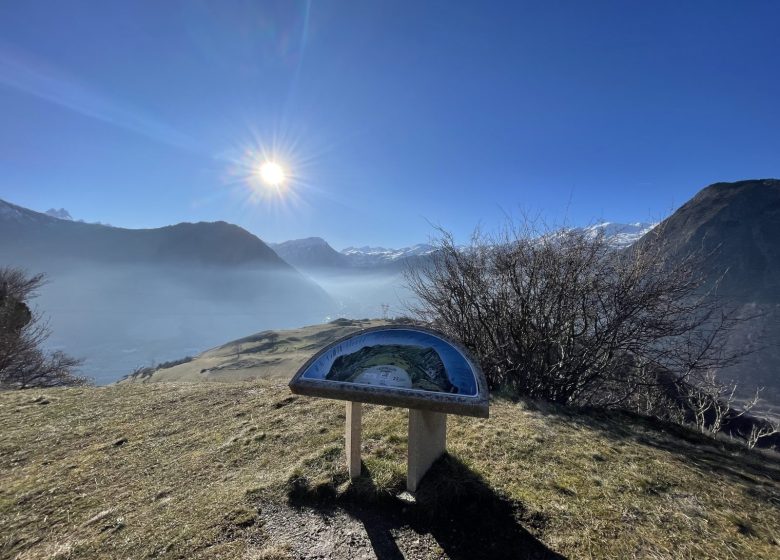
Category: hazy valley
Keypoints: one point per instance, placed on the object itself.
(126, 299)
(122, 298)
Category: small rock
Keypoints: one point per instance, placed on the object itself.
(241, 517)
(120, 442)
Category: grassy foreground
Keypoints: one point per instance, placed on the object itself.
(246, 470)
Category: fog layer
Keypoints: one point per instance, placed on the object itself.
(124, 316)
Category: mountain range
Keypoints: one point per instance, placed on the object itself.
(126, 298)
(315, 254)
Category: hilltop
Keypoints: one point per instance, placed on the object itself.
(247, 470)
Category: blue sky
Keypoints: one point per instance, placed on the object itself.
(389, 116)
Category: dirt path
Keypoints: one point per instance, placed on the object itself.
(307, 533)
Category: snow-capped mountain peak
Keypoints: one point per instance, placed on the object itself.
(620, 235)
(61, 214)
(368, 254)
(11, 213)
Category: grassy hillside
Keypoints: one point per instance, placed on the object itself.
(265, 355)
(247, 470)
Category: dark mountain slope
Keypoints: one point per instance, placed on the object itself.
(735, 227)
(27, 233)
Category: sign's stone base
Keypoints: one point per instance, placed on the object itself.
(427, 442)
(354, 436)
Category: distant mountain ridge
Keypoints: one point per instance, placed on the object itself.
(370, 255)
(29, 233)
(314, 253)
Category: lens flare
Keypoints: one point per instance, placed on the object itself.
(272, 174)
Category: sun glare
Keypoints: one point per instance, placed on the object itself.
(272, 173)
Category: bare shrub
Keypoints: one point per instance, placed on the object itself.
(712, 404)
(23, 362)
(759, 430)
(563, 316)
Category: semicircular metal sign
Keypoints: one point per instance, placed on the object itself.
(405, 366)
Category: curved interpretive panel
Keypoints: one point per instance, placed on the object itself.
(404, 366)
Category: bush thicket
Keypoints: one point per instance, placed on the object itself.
(564, 316)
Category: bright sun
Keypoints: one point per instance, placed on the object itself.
(272, 173)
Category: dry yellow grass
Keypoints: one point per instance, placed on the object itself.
(243, 470)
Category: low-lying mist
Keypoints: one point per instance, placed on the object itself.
(361, 294)
(121, 317)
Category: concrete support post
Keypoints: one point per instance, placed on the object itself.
(427, 442)
(353, 435)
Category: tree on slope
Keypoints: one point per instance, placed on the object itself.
(23, 362)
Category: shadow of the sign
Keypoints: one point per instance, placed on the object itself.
(455, 505)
